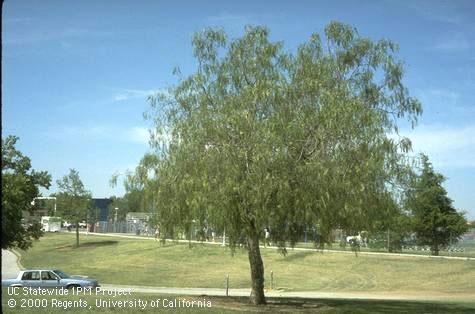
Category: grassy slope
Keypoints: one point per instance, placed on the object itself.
(137, 262)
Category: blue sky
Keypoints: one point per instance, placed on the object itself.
(76, 74)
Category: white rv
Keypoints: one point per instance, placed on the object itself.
(51, 224)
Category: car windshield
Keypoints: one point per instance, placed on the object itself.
(61, 274)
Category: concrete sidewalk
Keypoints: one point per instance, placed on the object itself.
(294, 294)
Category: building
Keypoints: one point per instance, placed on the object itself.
(101, 206)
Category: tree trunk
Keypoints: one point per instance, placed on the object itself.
(435, 249)
(390, 250)
(77, 233)
(257, 269)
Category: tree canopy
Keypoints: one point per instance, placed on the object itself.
(20, 185)
(262, 138)
(139, 194)
(73, 199)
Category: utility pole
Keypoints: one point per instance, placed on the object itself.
(115, 219)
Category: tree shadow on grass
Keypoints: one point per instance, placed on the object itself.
(294, 256)
(296, 305)
(87, 245)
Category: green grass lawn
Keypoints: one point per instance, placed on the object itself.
(147, 263)
(468, 246)
(157, 303)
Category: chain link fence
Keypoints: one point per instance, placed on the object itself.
(136, 228)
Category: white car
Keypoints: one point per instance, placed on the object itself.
(49, 278)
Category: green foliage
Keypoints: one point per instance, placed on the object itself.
(20, 185)
(258, 137)
(391, 229)
(73, 198)
(122, 206)
(139, 194)
(436, 222)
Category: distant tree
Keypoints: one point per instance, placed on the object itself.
(134, 200)
(20, 185)
(138, 195)
(393, 233)
(122, 207)
(390, 228)
(436, 222)
(73, 199)
(259, 138)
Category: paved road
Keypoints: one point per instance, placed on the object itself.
(10, 267)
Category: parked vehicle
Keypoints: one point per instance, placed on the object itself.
(68, 225)
(51, 224)
(48, 278)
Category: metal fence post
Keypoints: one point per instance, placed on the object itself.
(271, 280)
(227, 285)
